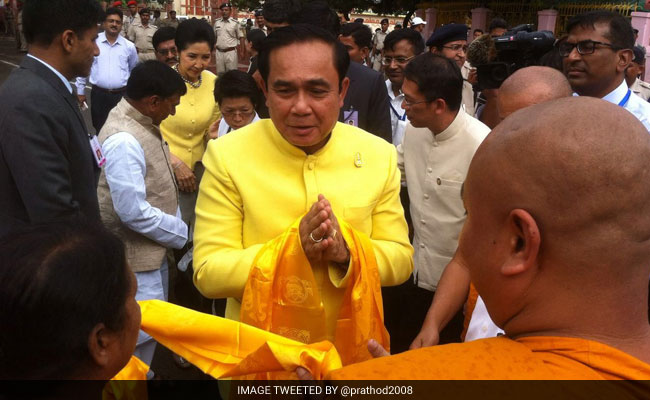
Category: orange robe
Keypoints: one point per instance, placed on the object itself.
(529, 358)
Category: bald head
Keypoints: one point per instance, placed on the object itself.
(531, 85)
(559, 212)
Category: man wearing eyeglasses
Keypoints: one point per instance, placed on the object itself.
(400, 46)
(450, 41)
(439, 143)
(110, 70)
(595, 55)
(165, 46)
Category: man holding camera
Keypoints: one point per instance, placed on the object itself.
(450, 41)
(595, 56)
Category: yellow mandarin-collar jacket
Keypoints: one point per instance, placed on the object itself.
(256, 184)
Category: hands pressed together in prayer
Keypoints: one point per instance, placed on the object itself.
(320, 236)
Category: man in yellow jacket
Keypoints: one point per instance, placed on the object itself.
(330, 185)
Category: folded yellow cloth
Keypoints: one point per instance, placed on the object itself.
(224, 348)
(282, 295)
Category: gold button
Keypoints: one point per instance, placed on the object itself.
(192, 121)
(311, 165)
(438, 181)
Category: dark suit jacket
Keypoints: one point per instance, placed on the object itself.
(368, 95)
(47, 170)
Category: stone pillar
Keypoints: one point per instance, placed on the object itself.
(431, 16)
(546, 20)
(641, 21)
(479, 21)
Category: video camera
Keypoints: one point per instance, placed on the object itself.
(520, 47)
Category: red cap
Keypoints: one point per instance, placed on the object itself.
(117, 4)
(132, 3)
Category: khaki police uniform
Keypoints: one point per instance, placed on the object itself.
(127, 21)
(378, 45)
(168, 22)
(142, 37)
(228, 34)
(641, 89)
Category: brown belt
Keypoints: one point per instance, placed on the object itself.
(112, 91)
(227, 49)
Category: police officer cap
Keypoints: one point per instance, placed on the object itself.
(224, 5)
(446, 34)
(258, 13)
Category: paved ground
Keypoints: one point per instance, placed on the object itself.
(163, 364)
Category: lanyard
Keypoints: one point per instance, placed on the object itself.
(400, 117)
(625, 99)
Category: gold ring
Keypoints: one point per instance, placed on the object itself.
(311, 236)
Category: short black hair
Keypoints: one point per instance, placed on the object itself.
(43, 20)
(237, 83)
(360, 33)
(437, 77)
(620, 30)
(279, 11)
(192, 31)
(154, 78)
(302, 33)
(256, 37)
(479, 30)
(156, 12)
(162, 35)
(412, 36)
(318, 13)
(144, 10)
(57, 282)
(497, 23)
(113, 11)
(384, 20)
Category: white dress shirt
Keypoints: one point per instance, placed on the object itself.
(112, 67)
(398, 118)
(224, 128)
(635, 104)
(480, 324)
(125, 170)
(63, 78)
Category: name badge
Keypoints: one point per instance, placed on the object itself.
(351, 117)
(97, 151)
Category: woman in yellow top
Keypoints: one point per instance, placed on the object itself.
(186, 130)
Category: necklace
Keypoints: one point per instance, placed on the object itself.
(195, 85)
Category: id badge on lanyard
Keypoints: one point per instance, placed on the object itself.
(97, 151)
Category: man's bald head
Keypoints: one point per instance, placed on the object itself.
(559, 216)
(531, 85)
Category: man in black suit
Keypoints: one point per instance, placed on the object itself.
(48, 167)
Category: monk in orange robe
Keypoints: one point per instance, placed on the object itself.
(557, 243)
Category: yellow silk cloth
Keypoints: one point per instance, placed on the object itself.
(281, 296)
(224, 348)
(131, 385)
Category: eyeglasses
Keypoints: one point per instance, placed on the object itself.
(411, 104)
(240, 113)
(164, 52)
(457, 47)
(584, 47)
(387, 60)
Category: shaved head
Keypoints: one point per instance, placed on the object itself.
(557, 237)
(531, 85)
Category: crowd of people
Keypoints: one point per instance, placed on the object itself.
(348, 187)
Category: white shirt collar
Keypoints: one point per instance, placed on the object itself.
(389, 87)
(616, 95)
(65, 81)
